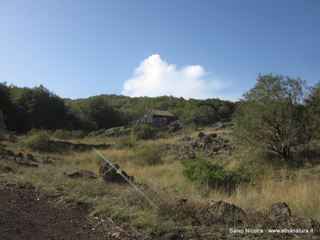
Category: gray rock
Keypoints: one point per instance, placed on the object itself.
(279, 212)
(314, 224)
(212, 144)
(225, 212)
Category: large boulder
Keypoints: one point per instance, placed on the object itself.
(111, 173)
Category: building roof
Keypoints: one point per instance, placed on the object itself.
(160, 113)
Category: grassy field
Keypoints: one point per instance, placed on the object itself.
(164, 182)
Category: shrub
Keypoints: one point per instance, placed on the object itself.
(38, 141)
(147, 155)
(144, 132)
(204, 173)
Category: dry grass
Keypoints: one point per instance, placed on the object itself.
(302, 196)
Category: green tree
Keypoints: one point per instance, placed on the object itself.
(144, 132)
(2, 125)
(314, 108)
(7, 107)
(272, 115)
(37, 108)
(100, 114)
(199, 115)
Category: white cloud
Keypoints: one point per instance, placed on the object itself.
(155, 77)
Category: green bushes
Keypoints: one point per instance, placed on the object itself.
(204, 173)
(144, 132)
(126, 142)
(147, 155)
(38, 141)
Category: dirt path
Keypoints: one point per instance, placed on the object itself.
(24, 216)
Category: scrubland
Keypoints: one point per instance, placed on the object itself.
(159, 175)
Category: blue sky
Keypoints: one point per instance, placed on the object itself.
(187, 48)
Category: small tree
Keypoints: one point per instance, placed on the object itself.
(272, 115)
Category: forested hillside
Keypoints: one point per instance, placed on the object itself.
(38, 107)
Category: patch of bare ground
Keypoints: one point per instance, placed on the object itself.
(23, 215)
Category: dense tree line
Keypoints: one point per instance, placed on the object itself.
(26, 108)
(190, 112)
(23, 109)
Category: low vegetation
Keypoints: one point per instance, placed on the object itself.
(147, 155)
(38, 141)
(204, 173)
(144, 132)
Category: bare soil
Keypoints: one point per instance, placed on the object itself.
(24, 215)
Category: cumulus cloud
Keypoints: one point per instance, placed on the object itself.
(155, 77)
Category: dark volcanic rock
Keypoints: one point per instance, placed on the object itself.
(19, 156)
(211, 144)
(30, 157)
(110, 173)
(201, 135)
(82, 174)
(185, 139)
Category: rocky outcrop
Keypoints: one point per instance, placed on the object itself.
(211, 144)
(29, 160)
(220, 212)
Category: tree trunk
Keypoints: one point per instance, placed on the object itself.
(286, 153)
